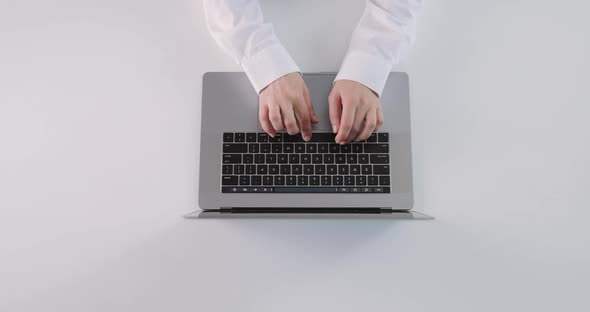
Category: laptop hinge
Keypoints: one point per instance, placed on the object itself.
(307, 210)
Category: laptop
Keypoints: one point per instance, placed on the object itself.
(245, 172)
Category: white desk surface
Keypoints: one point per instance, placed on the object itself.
(99, 141)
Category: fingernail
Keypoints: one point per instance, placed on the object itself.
(306, 138)
(271, 135)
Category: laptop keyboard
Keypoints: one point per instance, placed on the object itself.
(257, 163)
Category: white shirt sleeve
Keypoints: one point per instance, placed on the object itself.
(239, 28)
(385, 29)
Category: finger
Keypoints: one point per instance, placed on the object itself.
(346, 121)
(357, 126)
(302, 115)
(289, 119)
(335, 109)
(379, 118)
(264, 121)
(274, 114)
(369, 126)
(313, 116)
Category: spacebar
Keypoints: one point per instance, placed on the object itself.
(306, 189)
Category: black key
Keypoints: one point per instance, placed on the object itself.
(232, 158)
(265, 148)
(259, 158)
(282, 159)
(380, 169)
(248, 158)
(376, 148)
(346, 148)
(323, 137)
(308, 169)
(227, 189)
(366, 190)
(302, 180)
(355, 169)
(363, 159)
(357, 148)
(377, 190)
(250, 169)
(320, 169)
(334, 148)
(277, 148)
(279, 180)
(267, 180)
(323, 148)
(372, 138)
(229, 180)
(351, 159)
(296, 169)
(250, 137)
(328, 159)
(316, 158)
(291, 180)
(305, 159)
(292, 138)
(294, 159)
(277, 138)
(273, 169)
(314, 180)
(311, 148)
(366, 169)
(343, 190)
(349, 180)
(340, 158)
(342, 169)
(253, 148)
(244, 180)
(256, 180)
(306, 190)
(299, 148)
(238, 169)
(383, 180)
(361, 180)
(228, 137)
(332, 169)
(271, 158)
(326, 180)
(379, 158)
(262, 137)
(337, 180)
(288, 148)
(227, 169)
(383, 137)
(262, 169)
(240, 137)
(285, 169)
(373, 180)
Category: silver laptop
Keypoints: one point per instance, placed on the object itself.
(245, 172)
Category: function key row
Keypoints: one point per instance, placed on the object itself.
(240, 137)
(305, 158)
(312, 148)
(305, 190)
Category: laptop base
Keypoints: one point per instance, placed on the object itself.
(307, 213)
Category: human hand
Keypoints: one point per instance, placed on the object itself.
(355, 111)
(285, 104)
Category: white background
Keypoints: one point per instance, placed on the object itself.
(99, 145)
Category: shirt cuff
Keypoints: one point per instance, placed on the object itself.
(268, 65)
(369, 70)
